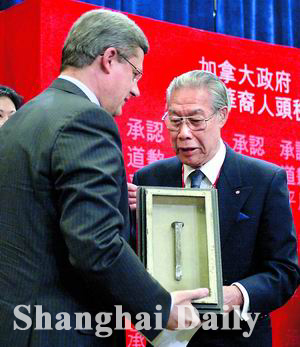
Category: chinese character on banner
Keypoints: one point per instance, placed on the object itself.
(291, 338)
(283, 108)
(227, 72)
(232, 97)
(283, 80)
(154, 131)
(209, 66)
(256, 144)
(290, 172)
(240, 143)
(136, 157)
(292, 197)
(264, 78)
(265, 107)
(287, 149)
(246, 101)
(298, 176)
(135, 128)
(297, 147)
(154, 155)
(136, 339)
(296, 104)
(246, 75)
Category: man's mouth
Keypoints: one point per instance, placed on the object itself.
(187, 149)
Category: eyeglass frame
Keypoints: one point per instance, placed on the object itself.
(137, 75)
(187, 123)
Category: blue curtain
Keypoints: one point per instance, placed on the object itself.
(5, 4)
(274, 21)
(195, 13)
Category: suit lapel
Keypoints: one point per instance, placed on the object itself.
(167, 173)
(232, 194)
(175, 179)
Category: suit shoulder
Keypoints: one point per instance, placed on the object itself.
(56, 109)
(159, 165)
(255, 163)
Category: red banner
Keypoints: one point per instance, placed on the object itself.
(263, 80)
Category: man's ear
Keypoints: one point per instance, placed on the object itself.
(107, 58)
(223, 116)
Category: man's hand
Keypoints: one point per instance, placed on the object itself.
(183, 314)
(232, 296)
(132, 195)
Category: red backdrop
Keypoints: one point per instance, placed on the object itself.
(263, 79)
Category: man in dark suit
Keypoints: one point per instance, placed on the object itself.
(258, 240)
(64, 221)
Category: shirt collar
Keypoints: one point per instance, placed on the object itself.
(212, 168)
(92, 97)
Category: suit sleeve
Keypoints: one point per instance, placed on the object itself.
(277, 275)
(135, 179)
(88, 171)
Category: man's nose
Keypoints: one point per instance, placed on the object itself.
(184, 131)
(135, 89)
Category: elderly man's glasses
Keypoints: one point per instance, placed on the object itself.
(195, 123)
(137, 74)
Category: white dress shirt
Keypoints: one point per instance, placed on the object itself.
(211, 169)
(92, 97)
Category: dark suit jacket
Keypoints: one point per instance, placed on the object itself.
(258, 247)
(64, 222)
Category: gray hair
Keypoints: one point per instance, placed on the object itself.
(97, 30)
(202, 79)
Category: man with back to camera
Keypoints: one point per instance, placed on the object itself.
(64, 225)
(258, 239)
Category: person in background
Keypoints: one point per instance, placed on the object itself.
(258, 238)
(64, 213)
(10, 101)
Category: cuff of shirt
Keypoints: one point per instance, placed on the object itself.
(246, 305)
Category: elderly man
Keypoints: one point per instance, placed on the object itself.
(67, 272)
(258, 240)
